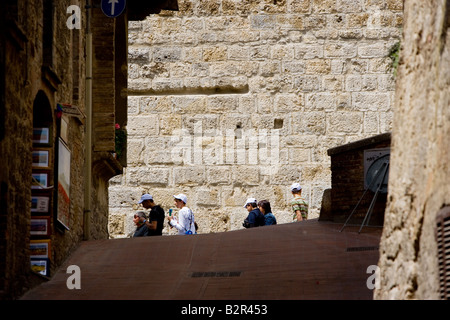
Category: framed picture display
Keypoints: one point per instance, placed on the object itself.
(41, 158)
(40, 226)
(64, 132)
(40, 203)
(41, 136)
(40, 249)
(41, 266)
(63, 200)
(40, 180)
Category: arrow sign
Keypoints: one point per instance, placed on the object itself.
(113, 8)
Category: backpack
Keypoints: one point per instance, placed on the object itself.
(260, 220)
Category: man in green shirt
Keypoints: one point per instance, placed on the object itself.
(299, 205)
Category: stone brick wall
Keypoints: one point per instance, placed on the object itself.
(33, 87)
(231, 99)
(419, 178)
(14, 212)
(42, 63)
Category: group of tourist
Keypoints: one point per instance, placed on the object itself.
(154, 223)
(259, 214)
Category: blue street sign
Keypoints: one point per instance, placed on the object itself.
(113, 8)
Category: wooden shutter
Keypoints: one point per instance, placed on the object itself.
(443, 243)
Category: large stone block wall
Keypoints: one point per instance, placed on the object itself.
(232, 99)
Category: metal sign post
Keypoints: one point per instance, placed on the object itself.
(113, 8)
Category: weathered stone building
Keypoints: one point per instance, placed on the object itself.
(59, 103)
(229, 99)
(414, 250)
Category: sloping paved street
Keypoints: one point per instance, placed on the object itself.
(307, 260)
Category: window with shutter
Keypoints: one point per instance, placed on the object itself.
(443, 243)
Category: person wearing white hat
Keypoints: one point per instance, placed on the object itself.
(299, 205)
(145, 197)
(155, 221)
(255, 217)
(185, 224)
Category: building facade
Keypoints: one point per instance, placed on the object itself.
(236, 99)
(63, 67)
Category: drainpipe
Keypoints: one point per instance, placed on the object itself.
(88, 138)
